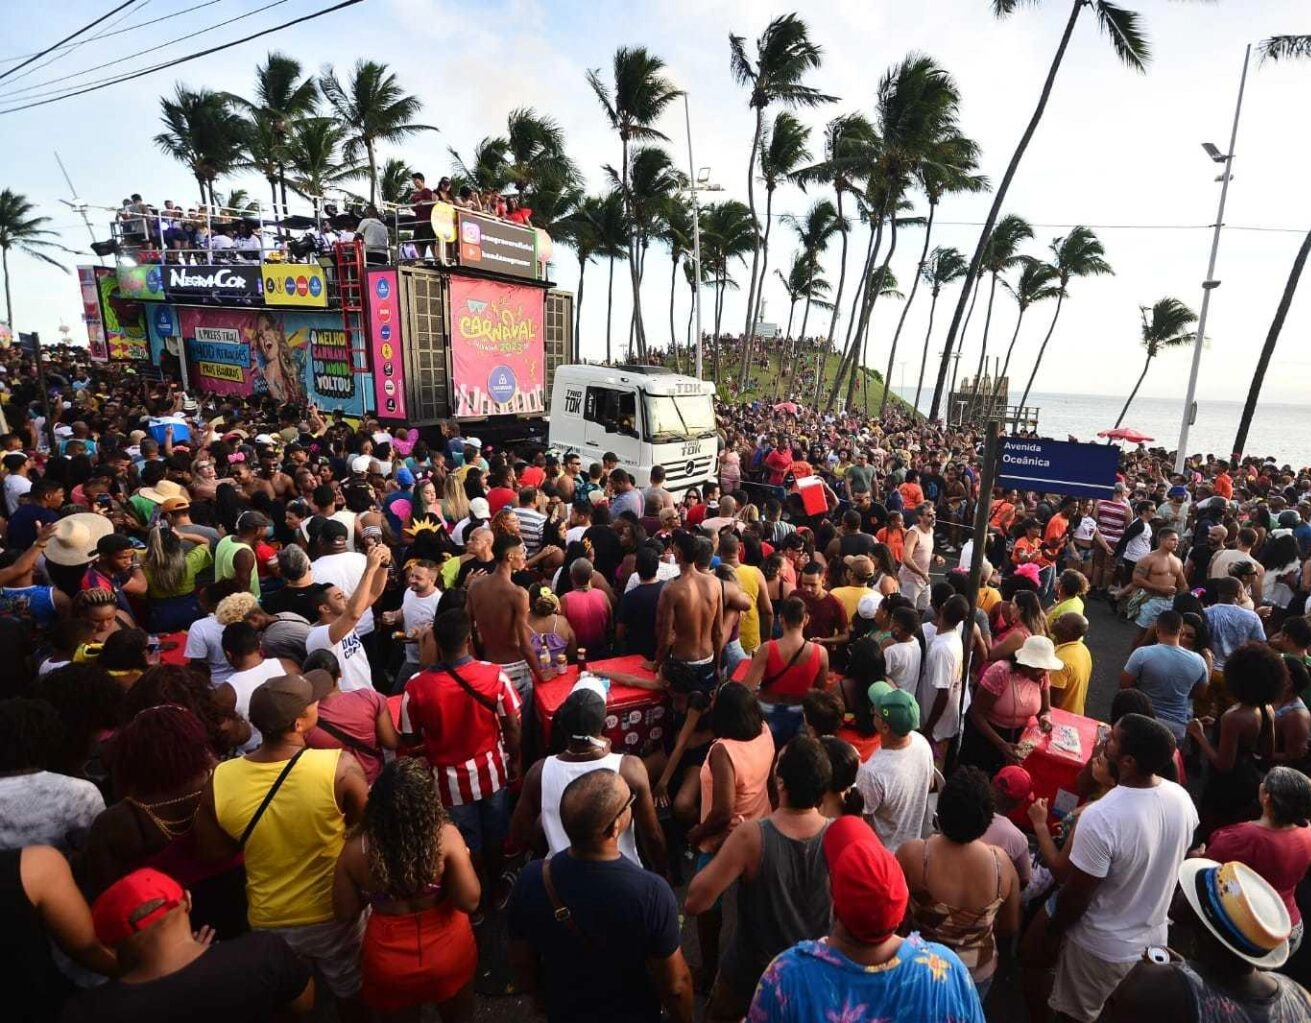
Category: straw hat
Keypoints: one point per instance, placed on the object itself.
(75, 539)
(1240, 908)
(162, 491)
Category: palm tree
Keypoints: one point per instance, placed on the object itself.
(314, 157)
(282, 98)
(535, 152)
(612, 239)
(1122, 27)
(848, 141)
(262, 153)
(884, 284)
(941, 268)
(489, 168)
(1273, 49)
(1035, 284)
(947, 168)
(676, 229)
(814, 230)
(801, 282)
(727, 234)
(793, 281)
(395, 182)
(372, 108)
(784, 55)
(640, 94)
(236, 201)
(999, 255)
(579, 229)
(917, 105)
(23, 231)
(1166, 327)
(1077, 254)
(782, 153)
(203, 132)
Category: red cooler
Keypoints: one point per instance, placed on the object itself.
(1054, 765)
(636, 720)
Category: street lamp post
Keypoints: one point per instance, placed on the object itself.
(1210, 283)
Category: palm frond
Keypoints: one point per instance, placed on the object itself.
(1284, 48)
(1127, 37)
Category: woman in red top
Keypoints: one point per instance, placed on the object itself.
(1278, 845)
(783, 670)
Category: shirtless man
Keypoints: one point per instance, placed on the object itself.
(567, 483)
(250, 484)
(917, 556)
(499, 611)
(689, 640)
(1160, 575)
(271, 472)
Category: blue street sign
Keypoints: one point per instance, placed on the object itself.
(1057, 466)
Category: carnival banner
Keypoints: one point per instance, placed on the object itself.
(123, 318)
(295, 284)
(291, 357)
(228, 282)
(498, 353)
(95, 327)
(385, 343)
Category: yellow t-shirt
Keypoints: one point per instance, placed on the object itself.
(850, 598)
(749, 578)
(1072, 680)
(1074, 604)
(292, 853)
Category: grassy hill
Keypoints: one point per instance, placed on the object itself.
(764, 384)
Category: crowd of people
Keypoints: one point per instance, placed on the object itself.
(277, 732)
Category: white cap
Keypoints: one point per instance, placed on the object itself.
(479, 508)
(264, 438)
(474, 442)
(868, 605)
(591, 683)
(361, 463)
(63, 430)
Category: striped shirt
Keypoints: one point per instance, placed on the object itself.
(532, 524)
(463, 737)
(1112, 519)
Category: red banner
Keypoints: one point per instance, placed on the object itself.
(498, 355)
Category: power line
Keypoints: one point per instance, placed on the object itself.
(16, 93)
(95, 87)
(63, 52)
(127, 28)
(1113, 227)
(84, 28)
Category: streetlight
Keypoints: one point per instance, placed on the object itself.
(1210, 283)
(698, 181)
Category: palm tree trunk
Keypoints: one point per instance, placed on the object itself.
(609, 314)
(792, 312)
(857, 304)
(1060, 298)
(673, 286)
(200, 180)
(1134, 393)
(901, 320)
(924, 357)
(999, 197)
(719, 313)
(983, 351)
(373, 172)
(9, 298)
(1006, 362)
(837, 305)
(869, 317)
(1267, 350)
(764, 271)
(273, 191)
(860, 316)
(755, 248)
(578, 309)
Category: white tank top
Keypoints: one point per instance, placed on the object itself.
(556, 776)
(244, 683)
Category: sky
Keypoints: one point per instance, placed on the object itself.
(1117, 150)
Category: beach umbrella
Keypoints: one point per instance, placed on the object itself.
(1126, 434)
(790, 407)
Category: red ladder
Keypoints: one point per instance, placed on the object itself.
(350, 292)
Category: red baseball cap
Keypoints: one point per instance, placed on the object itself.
(133, 903)
(868, 886)
(1015, 782)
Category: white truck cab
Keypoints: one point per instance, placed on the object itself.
(645, 415)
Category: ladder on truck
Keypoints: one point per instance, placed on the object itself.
(350, 292)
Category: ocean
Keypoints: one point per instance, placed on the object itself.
(1282, 432)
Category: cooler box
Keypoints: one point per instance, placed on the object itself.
(811, 489)
(181, 429)
(636, 720)
(1053, 767)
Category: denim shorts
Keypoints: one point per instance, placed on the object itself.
(483, 822)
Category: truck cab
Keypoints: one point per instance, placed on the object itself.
(645, 415)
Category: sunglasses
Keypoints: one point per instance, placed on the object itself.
(628, 805)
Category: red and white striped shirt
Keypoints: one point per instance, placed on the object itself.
(1113, 518)
(462, 736)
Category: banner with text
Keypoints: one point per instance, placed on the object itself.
(124, 320)
(498, 355)
(385, 343)
(295, 284)
(1058, 466)
(288, 356)
(95, 327)
(228, 282)
(496, 245)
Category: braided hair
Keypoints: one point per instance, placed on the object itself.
(402, 824)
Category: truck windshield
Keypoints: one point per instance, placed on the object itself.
(686, 417)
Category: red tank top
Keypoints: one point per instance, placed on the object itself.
(797, 680)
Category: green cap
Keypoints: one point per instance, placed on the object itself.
(897, 708)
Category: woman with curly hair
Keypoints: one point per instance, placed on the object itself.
(184, 687)
(408, 862)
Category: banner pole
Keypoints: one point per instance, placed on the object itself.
(986, 479)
